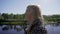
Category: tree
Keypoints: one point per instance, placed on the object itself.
(5, 16)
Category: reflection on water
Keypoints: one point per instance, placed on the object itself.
(8, 27)
(17, 29)
(53, 29)
(5, 28)
(11, 29)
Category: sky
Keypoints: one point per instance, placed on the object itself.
(48, 7)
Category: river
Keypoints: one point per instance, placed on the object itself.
(17, 29)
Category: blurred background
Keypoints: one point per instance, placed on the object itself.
(15, 10)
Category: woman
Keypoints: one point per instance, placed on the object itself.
(35, 21)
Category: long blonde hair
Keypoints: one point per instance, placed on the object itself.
(32, 12)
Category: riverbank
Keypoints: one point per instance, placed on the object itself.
(12, 23)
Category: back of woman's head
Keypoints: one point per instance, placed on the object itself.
(32, 12)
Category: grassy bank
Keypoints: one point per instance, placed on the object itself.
(13, 23)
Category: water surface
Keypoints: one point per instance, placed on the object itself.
(17, 29)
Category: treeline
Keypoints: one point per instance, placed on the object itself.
(52, 18)
(47, 18)
(11, 16)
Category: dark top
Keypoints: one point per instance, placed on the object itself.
(36, 28)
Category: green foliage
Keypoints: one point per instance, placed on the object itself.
(6, 16)
(47, 18)
(11, 16)
(1, 17)
(52, 18)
